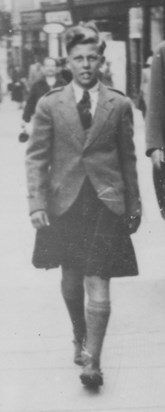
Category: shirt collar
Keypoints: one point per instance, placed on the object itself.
(78, 90)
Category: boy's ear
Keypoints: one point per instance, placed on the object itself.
(102, 60)
(68, 64)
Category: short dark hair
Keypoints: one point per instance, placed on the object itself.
(84, 33)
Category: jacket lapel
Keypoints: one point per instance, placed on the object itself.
(69, 112)
(103, 110)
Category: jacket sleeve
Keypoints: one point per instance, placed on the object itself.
(155, 122)
(38, 157)
(128, 160)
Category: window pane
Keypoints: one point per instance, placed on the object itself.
(157, 34)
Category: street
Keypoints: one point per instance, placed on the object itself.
(37, 373)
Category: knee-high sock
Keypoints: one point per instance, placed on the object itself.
(73, 294)
(97, 315)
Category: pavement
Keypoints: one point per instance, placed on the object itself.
(37, 373)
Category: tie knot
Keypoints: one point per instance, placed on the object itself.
(86, 99)
(84, 110)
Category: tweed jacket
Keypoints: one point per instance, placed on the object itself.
(155, 120)
(60, 154)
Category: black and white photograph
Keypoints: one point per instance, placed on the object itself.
(82, 208)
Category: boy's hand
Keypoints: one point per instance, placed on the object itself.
(40, 219)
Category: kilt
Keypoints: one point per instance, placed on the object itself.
(89, 238)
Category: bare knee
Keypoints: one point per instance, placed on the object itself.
(97, 289)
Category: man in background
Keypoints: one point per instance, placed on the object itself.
(155, 120)
(155, 124)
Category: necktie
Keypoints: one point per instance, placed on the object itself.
(84, 110)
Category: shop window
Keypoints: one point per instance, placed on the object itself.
(157, 26)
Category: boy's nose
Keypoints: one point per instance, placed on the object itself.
(86, 62)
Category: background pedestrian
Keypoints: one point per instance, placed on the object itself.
(144, 86)
(155, 124)
(18, 86)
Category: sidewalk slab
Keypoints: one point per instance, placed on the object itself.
(37, 373)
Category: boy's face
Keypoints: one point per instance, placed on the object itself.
(85, 61)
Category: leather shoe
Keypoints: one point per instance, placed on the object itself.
(91, 376)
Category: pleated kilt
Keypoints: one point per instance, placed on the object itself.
(88, 237)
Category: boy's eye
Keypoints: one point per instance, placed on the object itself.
(79, 58)
(92, 58)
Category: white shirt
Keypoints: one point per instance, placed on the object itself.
(51, 80)
(93, 92)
